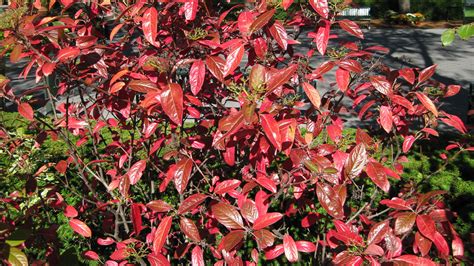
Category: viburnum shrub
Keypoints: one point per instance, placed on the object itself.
(196, 132)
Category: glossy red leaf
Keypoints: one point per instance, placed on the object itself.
(227, 215)
(386, 118)
(197, 257)
(271, 130)
(321, 7)
(231, 240)
(190, 229)
(181, 174)
(312, 94)
(190, 9)
(280, 77)
(91, 255)
(441, 244)
(376, 173)
(322, 37)
(408, 74)
(426, 225)
(68, 53)
(329, 200)
(264, 239)
(286, 4)
(244, 22)
(216, 64)
(249, 210)
(233, 60)
(172, 102)
(381, 84)
(305, 246)
(267, 183)
(161, 234)
(197, 74)
(227, 186)
(80, 227)
(356, 161)
(278, 32)
(422, 243)
(413, 260)
(451, 91)
(136, 218)
(396, 203)
(407, 143)
(26, 111)
(427, 103)
(150, 26)
(261, 21)
(136, 171)
(70, 211)
(351, 27)
(274, 252)
(267, 220)
(155, 260)
(426, 73)
(191, 202)
(48, 68)
(343, 78)
(377, 232)
(289, 246)
(159, 206)
(402, 101)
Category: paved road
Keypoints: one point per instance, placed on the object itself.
(408, 47)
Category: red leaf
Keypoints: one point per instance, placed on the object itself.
(279, 34)
(356, 161)
(351, 27)
(48, 68)
(305, 246)
(286, 4)
(312, 94)
(249, 211)
(191, 203)
(427, 103)
(245, 21)
(291, 251)
(261, 21)
(68, 53)
(378, 232)
(159, 206)
(274, 252)
(196, 76)
(404, 222)
(181, 174)
(322, 37)
(267, 183)
(329, 199)
(426, 226)
(342, 79)
(377, 174)
(70, 211)
(386, 118)
(116, 87)
(233, 60)
(188, 227)
(143, 86)
(271, 129)
(231, 240)
(136, 171)
(197, 257)
(455, 122)
(452, 89)
(150, 26)
(80, 228)
(402, 101)
(161, 234)
(267, 220)
(280, 77)
(422, 243)
(216, 64)
(265, 239)
(155, 260)
(15, 54)
(190, 9)
(91, 255)
(227, 215)
(414, 260)
(407, 143)
(172, 102)
(105, 241)
(136, 218)
(426, 73)
(26, 111)
(441, 244)
(321, 7)
(381, 84)
(408, 74)
(227, 186)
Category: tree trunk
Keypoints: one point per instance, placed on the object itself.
(404, 6)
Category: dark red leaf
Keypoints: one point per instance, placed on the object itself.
(265, 239)
(181, 174)
(408, 74)
(231, 240)
(159, 206)
(136, 218)
(330, 200)
(267, 220)
(161, 234)
(227, 215)
(271, 129)
(172, 102)
(190, 229)
(68, 53)
(227, 186)
(191, 203)
(356, 161)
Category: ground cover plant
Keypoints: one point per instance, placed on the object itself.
(186, 132)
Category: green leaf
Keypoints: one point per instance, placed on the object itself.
(466, 31)
(18, 237)
(448, 37)
(16, 257)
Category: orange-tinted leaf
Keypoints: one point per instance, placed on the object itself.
(329, 199)
(231, 240)
(377, 232)
(216, 64)
(161, 234)
(427, 103)
(404, 222)
(280, 77)
(26, 111)
(264, 238)
(356, 161)
(227, 186)
(172, 102)
(80, 227)
(426, 73)
(312, 94)
(249, 210)
(116, 87)
(261, 21)
(227, 215)
(143, 86)
(159, 206)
